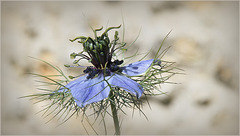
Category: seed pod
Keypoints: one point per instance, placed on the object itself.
(85, 46)
(100, 46)
(90, 46)
(101, 42)
(106, 38)
(94, 50)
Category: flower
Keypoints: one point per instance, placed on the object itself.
(105, 74)
(89, 90)
(107, 83)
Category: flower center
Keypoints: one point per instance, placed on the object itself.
(113, 67)
(98, 50)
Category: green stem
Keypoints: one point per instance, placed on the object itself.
(114, 113)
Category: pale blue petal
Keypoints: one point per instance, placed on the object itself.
(90, 91)
(137, 68)
(125, 83)
(73, 83)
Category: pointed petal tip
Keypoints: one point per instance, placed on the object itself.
(137, 68)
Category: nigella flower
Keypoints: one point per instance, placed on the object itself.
(95, 85)
(105, 74)
(106, 83)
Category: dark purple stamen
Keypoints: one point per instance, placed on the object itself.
(113, 67)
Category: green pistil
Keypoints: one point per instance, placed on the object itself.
(98, 49)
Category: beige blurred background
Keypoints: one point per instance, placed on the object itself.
(205, 39)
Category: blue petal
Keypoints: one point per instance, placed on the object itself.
(90, 91)
(73, 83)
(137, 68)
(86, 91)
(126, 83)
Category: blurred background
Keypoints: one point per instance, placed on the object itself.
(204, 40)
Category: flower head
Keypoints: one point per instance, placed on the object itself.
(95, 85)
(108, 82)
(106, 73)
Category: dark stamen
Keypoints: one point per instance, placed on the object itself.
(91, 72)
(118, 62)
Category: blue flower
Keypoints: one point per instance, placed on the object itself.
(89, 90)
(105, 74)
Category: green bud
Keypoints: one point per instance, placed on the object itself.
(76, 61)
(106, 39)
(71, 77)
(103, 42)
(116, 35)
(73, 55)
(86, 46)
(66, 65)
(100, 46)
(95, 51)
(90, 46)
(97, 46)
